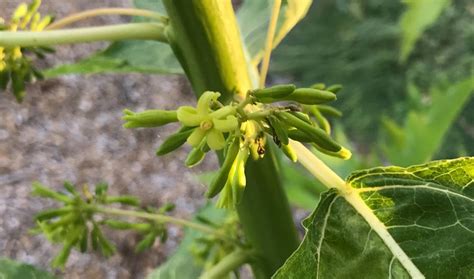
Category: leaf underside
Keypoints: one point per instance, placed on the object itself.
(427, 209)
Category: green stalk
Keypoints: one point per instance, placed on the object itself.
(229, 263)
(204, 36)
(130, 31)
(156, 217)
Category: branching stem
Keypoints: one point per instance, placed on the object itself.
(105, 11)
(130, 31)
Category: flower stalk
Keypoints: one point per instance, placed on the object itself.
(118, 32)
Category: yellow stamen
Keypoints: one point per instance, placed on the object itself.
(206, 125)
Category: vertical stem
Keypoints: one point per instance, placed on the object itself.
(265, 213)
(204, 36)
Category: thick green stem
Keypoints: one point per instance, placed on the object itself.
(130, 31)
(205, 37)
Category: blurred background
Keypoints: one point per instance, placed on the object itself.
(407, 71)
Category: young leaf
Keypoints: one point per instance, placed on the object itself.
(254, 16)
(393, 222)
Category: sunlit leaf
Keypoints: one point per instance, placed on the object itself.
(427, 212)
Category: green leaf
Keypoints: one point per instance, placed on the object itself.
(127, 56)
(424, 131)
(182, 264)
(12, 270)
(254, 16)
(418, 16)
(392, 222)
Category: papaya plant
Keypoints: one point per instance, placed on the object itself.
(412, 222)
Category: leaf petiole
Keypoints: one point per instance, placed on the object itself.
(130, 31)
(166, 219)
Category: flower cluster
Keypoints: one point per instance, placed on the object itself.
(77, 225)
(15, 68)
(241, 130)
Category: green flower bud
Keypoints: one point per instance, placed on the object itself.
(72, 238)
(274, 92)
(121, 225)
(70, 188)
(167, 207)
(52, 213)
(84, 241)
(4, 79)
(344, 153)
(95, 237)
(42, 191)
(125, 200)
(195, 156)
(328, 110)
(18, 86)
(174, 141)
(221, 178)
(318, 135)
(99, 241)
(225, 198)
(65, 220)
(289, 152)
(302, 116)
(299, 135)
(237, 175)
(101, 189)
(164, 236)
(146, 243)
(311, 96)
(319, 86)
(278, 130)
(321, 120)
(61, 259)
(149, 118)
(334, 88)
